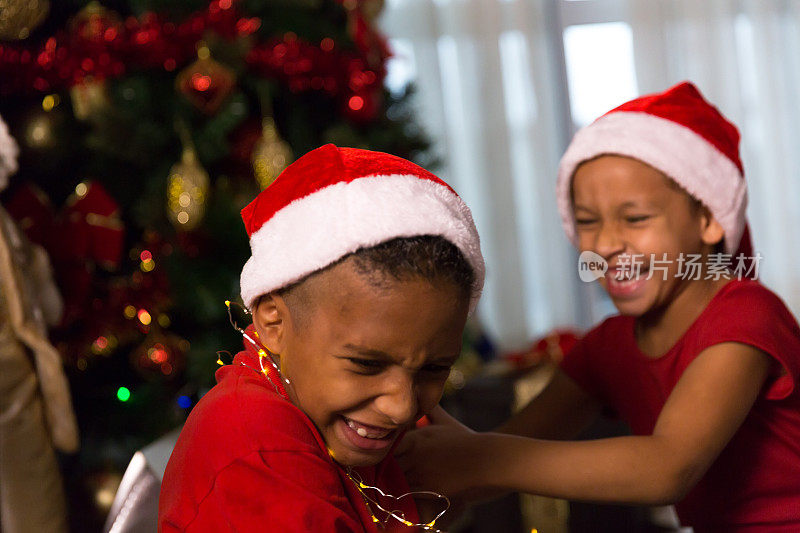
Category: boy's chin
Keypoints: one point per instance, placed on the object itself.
(347, 457)
(627, 308)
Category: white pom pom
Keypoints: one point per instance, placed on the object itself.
(9, 151)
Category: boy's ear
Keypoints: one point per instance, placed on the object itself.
(711, 231)
(271, 318)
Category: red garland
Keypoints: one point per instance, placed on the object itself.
(103, 48)
(303, 66)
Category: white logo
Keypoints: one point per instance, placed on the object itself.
(591, 266)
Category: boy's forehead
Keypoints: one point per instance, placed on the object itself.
(634, 179)
(339, 284)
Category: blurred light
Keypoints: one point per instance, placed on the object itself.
(39, 132)
(50, 101)
(457, 379)
(104, 497)
(201, 82)
(123, 394)
(158, 354)
(144, 317)
(81, 189)
(130, 311)
(355, 103)
(100, 345)
(164, 321)
(184, 401)
(145, 255)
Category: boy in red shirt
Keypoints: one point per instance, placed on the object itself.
(701, 362)
(364, 268)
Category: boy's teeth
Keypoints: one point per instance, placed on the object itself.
(364, 432)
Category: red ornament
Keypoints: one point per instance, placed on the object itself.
(206, 83)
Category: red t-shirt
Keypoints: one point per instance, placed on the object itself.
(249, 460)
(754, 485)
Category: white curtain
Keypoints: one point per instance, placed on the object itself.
(493, 94)
(745, 56)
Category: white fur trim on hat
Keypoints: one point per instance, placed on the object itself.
(683, 155)
(313, 232)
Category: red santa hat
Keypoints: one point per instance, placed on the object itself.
(680, 134)
(333, 201)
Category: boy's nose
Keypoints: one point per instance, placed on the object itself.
(608, 241)
(399, 401)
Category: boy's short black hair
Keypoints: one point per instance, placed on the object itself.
(428, 257)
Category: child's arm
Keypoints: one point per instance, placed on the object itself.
(705, 409)
(561, 411)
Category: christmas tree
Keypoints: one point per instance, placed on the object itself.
(145, 126)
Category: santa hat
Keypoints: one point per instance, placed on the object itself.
(680, 134)
(333, 201)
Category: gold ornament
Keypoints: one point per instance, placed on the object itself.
(88, 98)
(187, 191)
(96, 23)
(19, 17)
(271, 154)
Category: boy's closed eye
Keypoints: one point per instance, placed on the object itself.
(370, 362)
(584, 221)
(366, 366)
(373, 366)
(636, 219)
